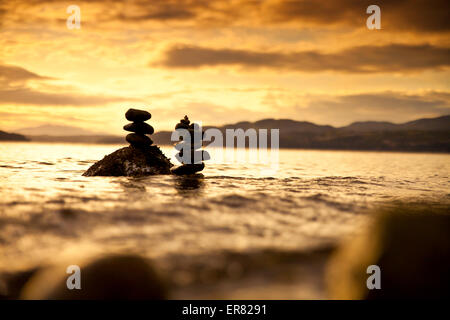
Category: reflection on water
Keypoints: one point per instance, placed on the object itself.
(190, 185)
(230, 222)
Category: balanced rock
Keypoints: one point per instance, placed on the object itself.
(192, 160)
(139, 127)
(183, 124)
(141, 158)
(138, 159)
(140, 140)
(137, 115)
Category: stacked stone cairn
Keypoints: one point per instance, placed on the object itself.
(139, 127)
(192, 162)
(140, 158)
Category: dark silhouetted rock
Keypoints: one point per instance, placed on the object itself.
(188, 168)
(137, 115)
(182, 126)
(139, 127)
(411, 246)
(196, 156)
(131, 161)
(5, 136)
(140, 158)
(185, 120)
(138, 140)
(116, 277)
(192, 161)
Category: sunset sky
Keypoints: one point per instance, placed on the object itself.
(222, 62)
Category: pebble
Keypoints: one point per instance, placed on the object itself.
(137, 115)
(188, 169)
(139, 127)
(139, 140)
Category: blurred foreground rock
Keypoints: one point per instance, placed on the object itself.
(410, 244)
(115, 277)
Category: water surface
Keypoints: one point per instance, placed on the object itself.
(236, 232)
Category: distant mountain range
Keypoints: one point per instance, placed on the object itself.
(433, 124)
(420, 135)
(56, 130)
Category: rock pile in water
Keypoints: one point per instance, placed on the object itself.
(192, 143)
(139, 128)
(141, 158)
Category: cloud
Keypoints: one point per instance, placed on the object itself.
(28, 96)
(412, 15)
(159, 10)
(12, 74)
(383, 106)
(369, 59)
(337, 110)
(15, 90)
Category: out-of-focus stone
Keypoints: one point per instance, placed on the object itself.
(116, 277)
(411, 246)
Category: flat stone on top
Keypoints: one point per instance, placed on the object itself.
(137, 115)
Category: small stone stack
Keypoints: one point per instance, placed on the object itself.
(193, 162)
(138, 138)
(140, 158)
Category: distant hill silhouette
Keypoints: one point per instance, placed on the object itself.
(5, 136)
(56, 130)
(433, 124)
(420, 135)
(284, 124)
(93, 139)
(431, 135)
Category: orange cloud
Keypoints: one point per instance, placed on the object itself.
(15, 90)
(369, 59)
(412, 15)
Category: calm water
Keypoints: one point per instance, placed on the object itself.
(238, 232)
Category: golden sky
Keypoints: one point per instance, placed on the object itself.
(222, 62)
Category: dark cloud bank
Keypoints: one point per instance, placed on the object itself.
(389, 58)
(403, 15)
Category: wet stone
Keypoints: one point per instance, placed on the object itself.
(137, 139)
(137, 115)
(188, 169)
(139, 127)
